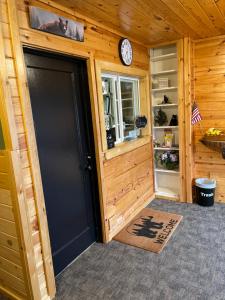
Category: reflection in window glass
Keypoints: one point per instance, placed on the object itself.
(130, 107)
(121, 107)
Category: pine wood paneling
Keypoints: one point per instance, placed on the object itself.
(209, 86)
(11, 265)
(116, 166)
(100, 43)
(153, 22)
(8, 226)
(5, 197)
(128, 186)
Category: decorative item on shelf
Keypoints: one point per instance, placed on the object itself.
(108, 115)
(165, 100)
(168, 159)
(110, 139)
(108, 121)
(141, 121)
(163, 82)
(47, 21)
(156, 143)
(160, 118)
(173, 121)
(105, 87)
(168, 138)
(214, 132)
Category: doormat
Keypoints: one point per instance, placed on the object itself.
(150, 230)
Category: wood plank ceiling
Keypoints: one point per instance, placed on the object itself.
(155, 21)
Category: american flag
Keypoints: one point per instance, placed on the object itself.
(196, 117)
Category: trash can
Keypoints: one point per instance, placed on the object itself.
(205, 191)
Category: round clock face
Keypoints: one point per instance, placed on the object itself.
(126, 52)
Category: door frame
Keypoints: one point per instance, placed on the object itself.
(20, 68)
(88, 124)
(34, 158)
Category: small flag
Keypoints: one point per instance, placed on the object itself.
(196, 117)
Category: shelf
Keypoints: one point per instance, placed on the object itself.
(216, 143)
(167, 193)
(130, 107)
(164, 127)
(167, 171)
(126, 99)
(165, 105)
(164, 72)
(166, 148)
(163, 57)
(171, 88)
(164, 64)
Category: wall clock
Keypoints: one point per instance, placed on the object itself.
(126, 52)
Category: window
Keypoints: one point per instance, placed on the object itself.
(121, 106)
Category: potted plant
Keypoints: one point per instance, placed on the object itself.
(168, 159)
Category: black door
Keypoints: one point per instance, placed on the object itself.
(61, 112)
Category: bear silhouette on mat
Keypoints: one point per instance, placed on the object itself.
(145, 229)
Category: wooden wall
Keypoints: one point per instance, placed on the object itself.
(126, 182)
(209, 92)
(12, 278)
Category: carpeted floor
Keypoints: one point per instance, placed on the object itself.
(191, 267)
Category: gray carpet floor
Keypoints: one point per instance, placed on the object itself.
(191, 266)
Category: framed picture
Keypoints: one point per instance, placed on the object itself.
(52, 23)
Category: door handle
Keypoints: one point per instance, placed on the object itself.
(88, 167)
(89, 163)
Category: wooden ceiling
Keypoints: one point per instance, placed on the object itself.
(155, 21)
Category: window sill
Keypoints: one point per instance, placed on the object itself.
(126, 147)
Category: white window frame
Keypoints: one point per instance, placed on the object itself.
(117, 101)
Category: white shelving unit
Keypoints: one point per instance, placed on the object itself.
(170, 88)
(164, 67)
(165, 105)
(164, 56)
(165, 127)
(164, 72)
(166, 171)
(166, 148)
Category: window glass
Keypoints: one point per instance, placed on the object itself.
(121, 107)
(110, 106)
(130, 107)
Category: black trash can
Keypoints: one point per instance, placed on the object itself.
(205, 191)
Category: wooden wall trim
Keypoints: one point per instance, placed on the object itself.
(181, 114)
(23, 227)
(32, 147)
(188, 113)
(97, 138)
(6, 112)
(11, 143)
